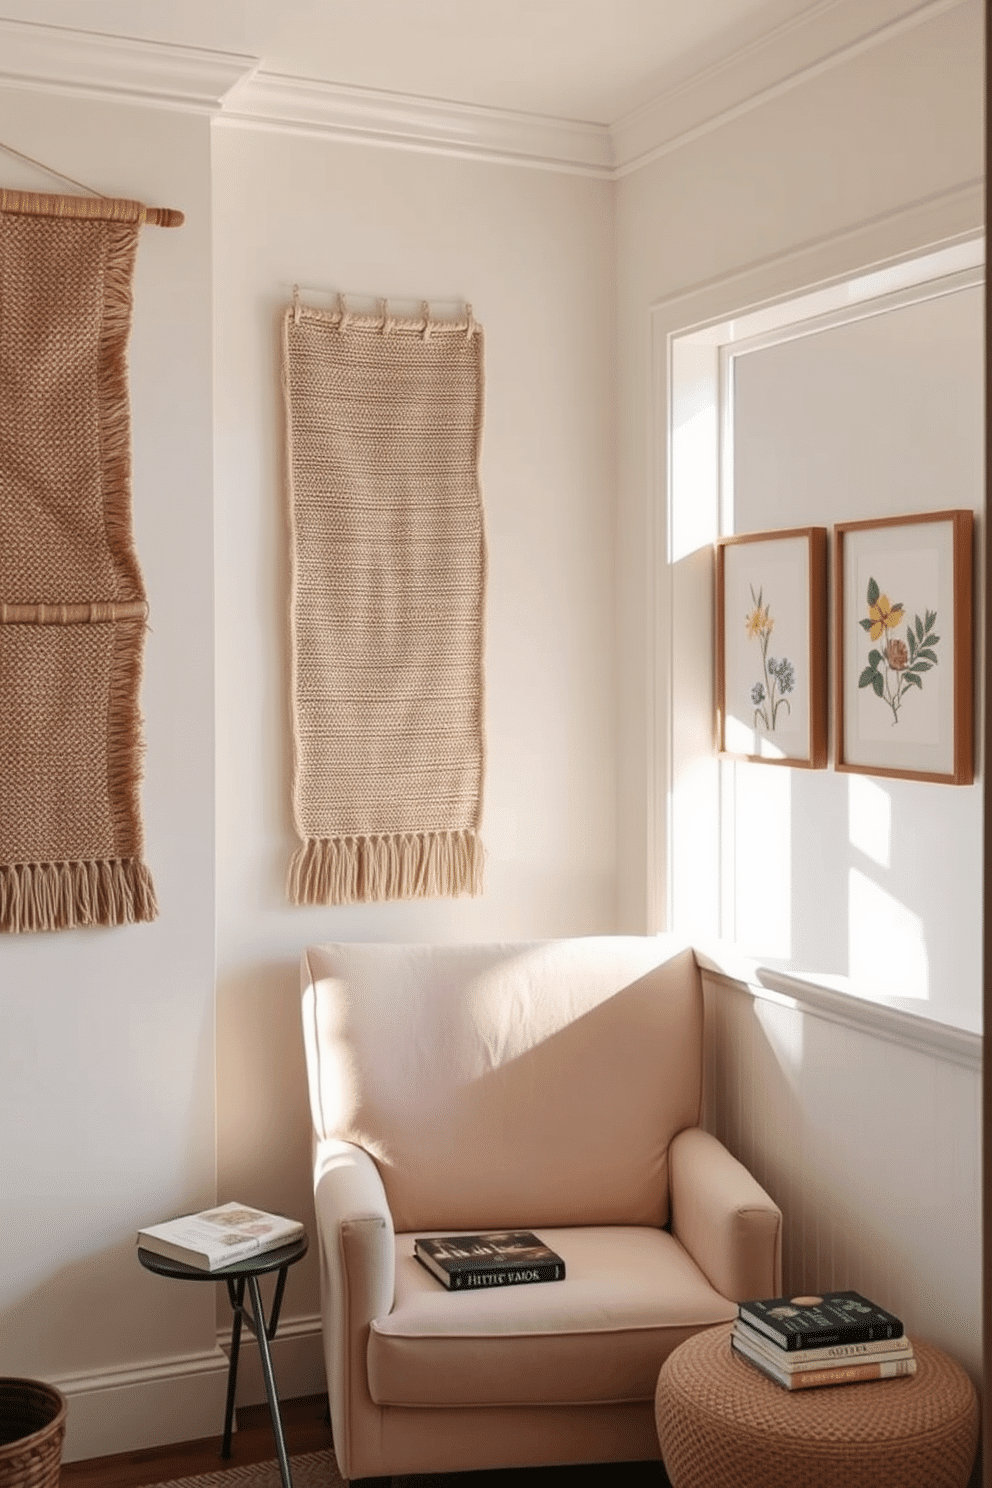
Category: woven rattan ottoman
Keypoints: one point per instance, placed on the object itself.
(722, 1424)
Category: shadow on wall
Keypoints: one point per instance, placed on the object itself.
(102, 1313)
(871, 1150)
(263, 1112)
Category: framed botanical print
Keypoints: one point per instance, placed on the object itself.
(771, 646)
(904, 626)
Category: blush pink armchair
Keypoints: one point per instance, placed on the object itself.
(554, 1087)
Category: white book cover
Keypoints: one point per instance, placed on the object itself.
(219, 1237)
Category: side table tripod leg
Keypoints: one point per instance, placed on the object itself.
(261, 1334)
(236, 1292)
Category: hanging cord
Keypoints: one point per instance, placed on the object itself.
(50, 171)
(86, 206)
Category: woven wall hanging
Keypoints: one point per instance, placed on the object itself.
(72, 602)
(384, 430)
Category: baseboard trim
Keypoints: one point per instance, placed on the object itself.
(297, 1361)
(144, 1405)
(179, 1399)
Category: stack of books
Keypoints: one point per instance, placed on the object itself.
(838, 1339)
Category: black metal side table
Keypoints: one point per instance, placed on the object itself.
(242, 1274)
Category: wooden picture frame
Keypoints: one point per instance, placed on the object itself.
(771, 699)
(904, 630)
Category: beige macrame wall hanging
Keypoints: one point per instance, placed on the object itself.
(72, 602)
(384, 430)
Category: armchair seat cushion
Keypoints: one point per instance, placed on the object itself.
(631, 1294)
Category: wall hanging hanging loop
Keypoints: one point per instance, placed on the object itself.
(383, 314)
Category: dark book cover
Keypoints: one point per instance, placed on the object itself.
(814, 1322)
(497, 1258)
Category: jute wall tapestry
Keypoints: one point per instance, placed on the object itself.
(72, 601)
(384, 431)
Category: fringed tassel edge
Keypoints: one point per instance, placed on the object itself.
(115, 409)
(407, 865)
(125, 746)
(64, 896)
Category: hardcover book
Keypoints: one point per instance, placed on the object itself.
(750, 1340)
(814, 1322)
(853, 1373)
(219, 1237)
(498, 1258)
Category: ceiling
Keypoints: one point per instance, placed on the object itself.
(593, 61)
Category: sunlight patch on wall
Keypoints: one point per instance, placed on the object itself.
(869, 819)
(694, 473)
(742, 738)
(694, 448)
(763, 889)
(694, 815)
(783, 1029)
(887, 945)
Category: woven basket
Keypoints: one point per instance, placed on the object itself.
(32, 1425)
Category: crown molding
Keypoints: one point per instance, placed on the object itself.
(239, 93)
(57, 59)
(369, 116)
(828, 34)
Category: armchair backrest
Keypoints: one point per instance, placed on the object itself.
(508, 1086)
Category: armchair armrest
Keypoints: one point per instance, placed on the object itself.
(354, 1227)
(357, 1277)
(724, 1218)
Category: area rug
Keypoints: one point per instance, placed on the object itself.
(383, 441)
(311, 1470)
(72, 601)
(319, 1470)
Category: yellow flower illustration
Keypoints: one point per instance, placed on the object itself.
(759, 622)
(883, 616)
(897, 668)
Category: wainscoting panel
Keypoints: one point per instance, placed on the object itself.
(872, 1149)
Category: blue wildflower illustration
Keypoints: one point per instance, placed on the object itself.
(779, 675)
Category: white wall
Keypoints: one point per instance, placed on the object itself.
(877, 416)
(533, 253)
(107, 1052)
(898, 1217)
(865, 162)
(752, 208)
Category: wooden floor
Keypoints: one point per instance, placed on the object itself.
(303, 1423)
(307, 1431)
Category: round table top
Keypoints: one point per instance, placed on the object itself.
(254, 1265)
(711, 1381)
